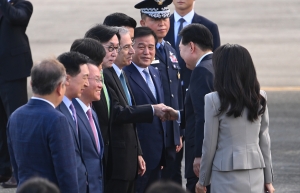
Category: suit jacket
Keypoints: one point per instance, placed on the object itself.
(101, 109)
(124, 144)
(234, 143)
(81, 168)
(201, 84)
(169, 71)
(152, 136)
(91, 157)
(41, 144)
(213, 28)
(14, 50)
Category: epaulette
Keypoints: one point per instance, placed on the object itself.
(168, 43)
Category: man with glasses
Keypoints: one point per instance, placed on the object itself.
(91, 139)
(125, 157)
(109, 38)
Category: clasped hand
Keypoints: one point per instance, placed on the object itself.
(165, 113)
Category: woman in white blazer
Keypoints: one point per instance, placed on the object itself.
(236, 155)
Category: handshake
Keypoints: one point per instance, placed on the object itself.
(165, 113)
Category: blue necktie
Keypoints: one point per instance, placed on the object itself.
(162, 51)
(149, 82)
(125, 88)
(181, 20)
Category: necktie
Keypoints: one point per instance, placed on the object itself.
(181, 20)
(72, 108)
(91, 120)
(125, 88)
(162, 51)
(149, 82)
(106, 96)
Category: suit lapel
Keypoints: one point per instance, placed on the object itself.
(196, 19)
(140, 81)
(99, 133)
(82, 116)
(171, 31)
(104, 104)
(63, 108)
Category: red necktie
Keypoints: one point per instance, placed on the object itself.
(91, 120)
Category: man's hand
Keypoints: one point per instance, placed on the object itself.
(142, 166)
(196, 166)
(178, 147)
(171, 114)
(199, 188)
(158, 111)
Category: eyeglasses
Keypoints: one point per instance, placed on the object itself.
(112, 48)
(127, 46)
(98, 80)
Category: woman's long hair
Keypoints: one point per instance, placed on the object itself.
(236, 82)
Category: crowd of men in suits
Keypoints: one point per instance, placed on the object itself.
(111, 114)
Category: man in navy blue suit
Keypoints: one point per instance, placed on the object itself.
(77, 80)
(146, 86)
(156, 17)
(196, 49)
(184, 11)
(90, 135)
(39, 138)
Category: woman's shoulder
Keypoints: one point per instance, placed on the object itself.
(214, 97)
(263, 93)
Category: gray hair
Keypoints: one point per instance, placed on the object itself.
(46, 76)
(122, 30)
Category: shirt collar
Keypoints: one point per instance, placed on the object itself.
(188, 17)
(83, 106)
(158, 44)
(37, 98)
(117, 70)
(67, 101)
(202, 58)
(140, 69)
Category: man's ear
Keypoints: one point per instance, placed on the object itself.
(60, 89)
(142, 22)
(192, 45)
(67, 82)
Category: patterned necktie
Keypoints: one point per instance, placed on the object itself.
(181, 20)
(106, 96)
(149, 82)
(92, 123)
(125, 88)
(162, 51)
(72, 108)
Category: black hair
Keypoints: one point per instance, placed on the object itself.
(102, 33)
(144, 31)
(91, 48)
(165, 187)
(119, 20)
(38, 185)
(72, 62)
(236, 82)
(198, 34)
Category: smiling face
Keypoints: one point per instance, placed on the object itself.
(159, 26)
(144, 48)
(125, 55)
(93, 91)
(77, 84)
(111, 48)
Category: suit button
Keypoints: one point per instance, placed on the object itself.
(86, 173)
(170, 81)
(172, 95)
(167, 66)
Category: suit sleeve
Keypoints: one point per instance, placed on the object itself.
(211, 132)
(200, 85)
(19, 14)
(62, 150)
(265, 144)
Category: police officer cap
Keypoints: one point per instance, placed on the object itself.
(155, 8)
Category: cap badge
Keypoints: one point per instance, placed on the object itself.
(159, 2)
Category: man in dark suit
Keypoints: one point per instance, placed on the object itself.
(90, 136)
(166, 63)
(15, 65)
(77, 80)
(184, 13)
(146, 86)
(196, 49)
(125, 145)
(109, 38)
(39, 139)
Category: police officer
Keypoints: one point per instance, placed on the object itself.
(155, 15)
